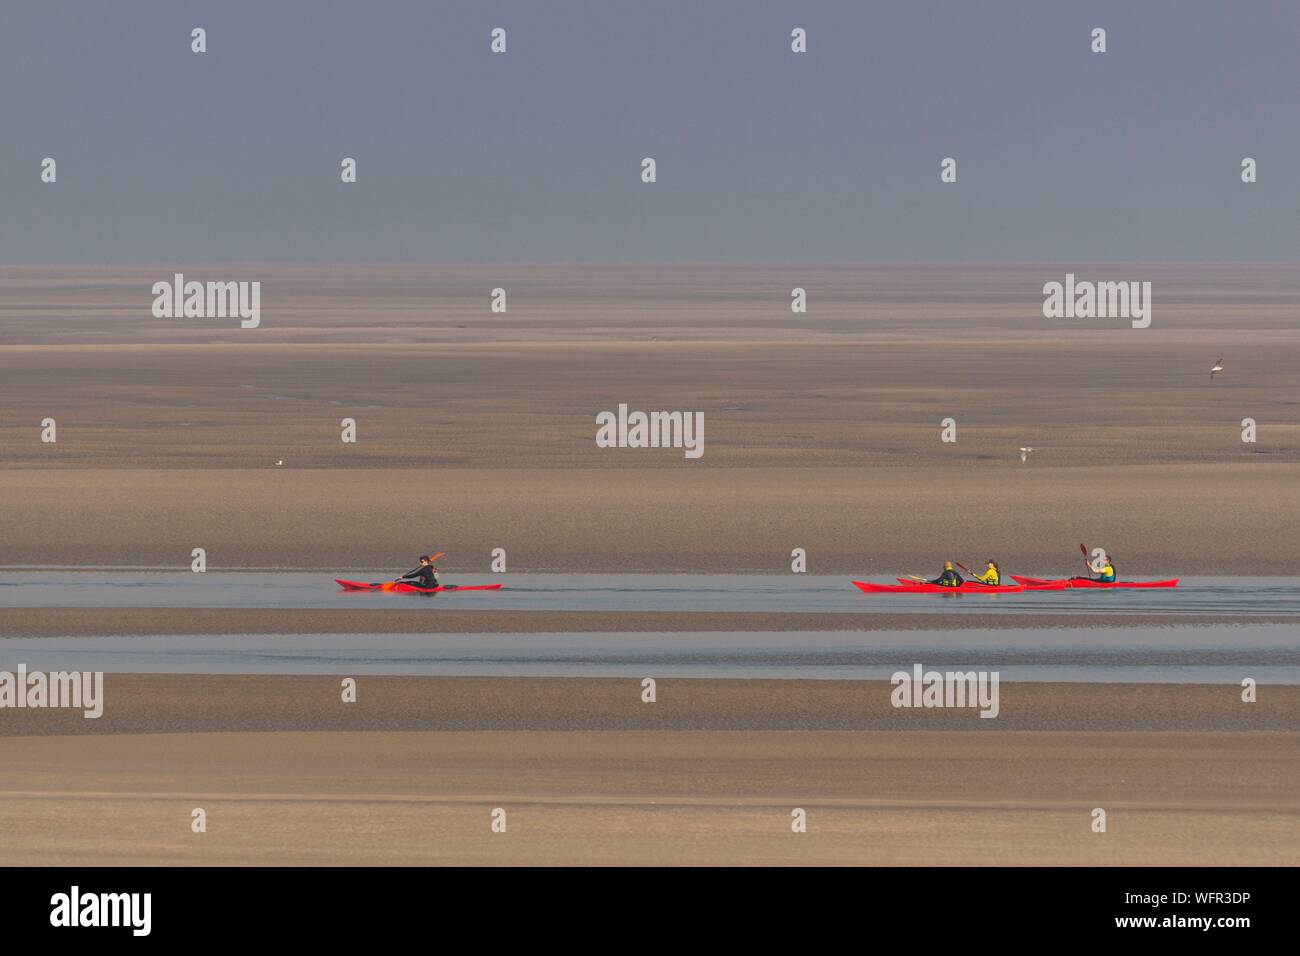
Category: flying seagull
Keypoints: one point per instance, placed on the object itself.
(1218, 367)
(1024, 454)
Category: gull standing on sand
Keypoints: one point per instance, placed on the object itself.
(1024, 454)
(1218, 367)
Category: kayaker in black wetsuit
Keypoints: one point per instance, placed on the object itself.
(425, 576)
(950, 578)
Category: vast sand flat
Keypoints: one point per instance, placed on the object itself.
(860, 400)
(1158, 520)
(652, 797)
(822, 430)
(476, 431)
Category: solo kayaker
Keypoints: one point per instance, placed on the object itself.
(1106, 573)
(950, 578)
(992, 574)
(424, 576)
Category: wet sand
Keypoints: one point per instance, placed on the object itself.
(89, 622)
(589, 774)
(651, 797)
(156, 703)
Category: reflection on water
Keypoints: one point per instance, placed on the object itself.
(1270, 653)
(628, 592)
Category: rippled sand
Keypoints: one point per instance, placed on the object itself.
(606, 789)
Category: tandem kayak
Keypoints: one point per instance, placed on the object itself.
(402, 588)
(1071, 583)
(980, 586)
(917, 587)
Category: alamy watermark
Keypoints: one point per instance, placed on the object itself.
(651, 430)
(57, 689)
(76, 908)
(923, 688)
(1098, 300)
(208, 300)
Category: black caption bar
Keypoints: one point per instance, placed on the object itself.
(134, 906)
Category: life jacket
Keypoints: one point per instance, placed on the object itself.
(990, 576)
(1108, 573)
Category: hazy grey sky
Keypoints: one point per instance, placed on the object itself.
(763, 155)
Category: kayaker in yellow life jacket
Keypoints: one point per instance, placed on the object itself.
(992, 575)
(949, 578)
(1107, 572)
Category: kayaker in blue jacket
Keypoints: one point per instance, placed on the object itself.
(424, 576)
(950, 578)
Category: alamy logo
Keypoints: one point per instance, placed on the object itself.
(651, 430)
(1098, 300)
(75, 908)
(75, 689)
(950, 689)
(208, 300)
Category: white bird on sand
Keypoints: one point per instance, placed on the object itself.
(1218, 367)
(1024, 454)
(280, 462)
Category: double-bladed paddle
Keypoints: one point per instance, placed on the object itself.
(972, 574)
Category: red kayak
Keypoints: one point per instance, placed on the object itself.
(1071, 583)
(980, 586)
(918, 587)
(411, 588)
